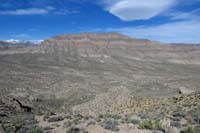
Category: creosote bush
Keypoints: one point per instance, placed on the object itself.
(73, 130)
(116, 117)
(191, 129)
(35, 129)
(181, 114)
(151, 124)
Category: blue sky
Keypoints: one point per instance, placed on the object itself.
(160, 20)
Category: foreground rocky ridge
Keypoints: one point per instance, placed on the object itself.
(171, 115)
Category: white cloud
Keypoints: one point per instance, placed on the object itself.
(194, 14)
(28, 11)
(187, 31)
(66, 12)
(22, 36)
(129, 10)
(183, 27)
(39, 11)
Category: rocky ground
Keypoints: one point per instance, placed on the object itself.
(171, 115)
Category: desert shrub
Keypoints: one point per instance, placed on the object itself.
(135, 121)
(116, 117)
(193, 113)
(158, 125)
(9, 128)
(78, 116)
(47, 114)
(175, 124)
(180, 114)
(35, 129)
(16, 124)
(130, 120)
(127, 120)
(151, 124)
(111, 125)
(76, 121)
(123, 121)
(73, 130)
(190, 120)
(196, 117)
(147, 124)
(191, 129)
(197, 129)
(19, 123)
(143, 116)
(101, 116)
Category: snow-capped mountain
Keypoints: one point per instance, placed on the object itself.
(24, 42)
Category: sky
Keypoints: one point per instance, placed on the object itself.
(176, 21)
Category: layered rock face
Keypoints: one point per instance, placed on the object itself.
(100, 44)
(68, 70)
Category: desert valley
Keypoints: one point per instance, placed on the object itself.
(99, 83)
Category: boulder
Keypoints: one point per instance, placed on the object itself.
(172, 130)
(55, 119)
(185, 91)
(111, 125)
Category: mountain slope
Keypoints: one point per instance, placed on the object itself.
(69, 70)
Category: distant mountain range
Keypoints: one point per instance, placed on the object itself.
(10, 44)
(24, 42)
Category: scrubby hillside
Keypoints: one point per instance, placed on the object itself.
(98, 73)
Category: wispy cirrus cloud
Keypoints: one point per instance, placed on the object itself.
(21, 36)
(187, 31)
(129, 10)
(66, 12)
(177, 15)
(39, 11)
(180, 27)
(28, 11)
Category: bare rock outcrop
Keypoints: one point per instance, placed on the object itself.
(186, 91)
(12, 104)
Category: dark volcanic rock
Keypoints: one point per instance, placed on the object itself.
(91, 123)
(47, 128)
(15, 104)
(22, 130)
(67, 124)
(111, 125)
(55, 119)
